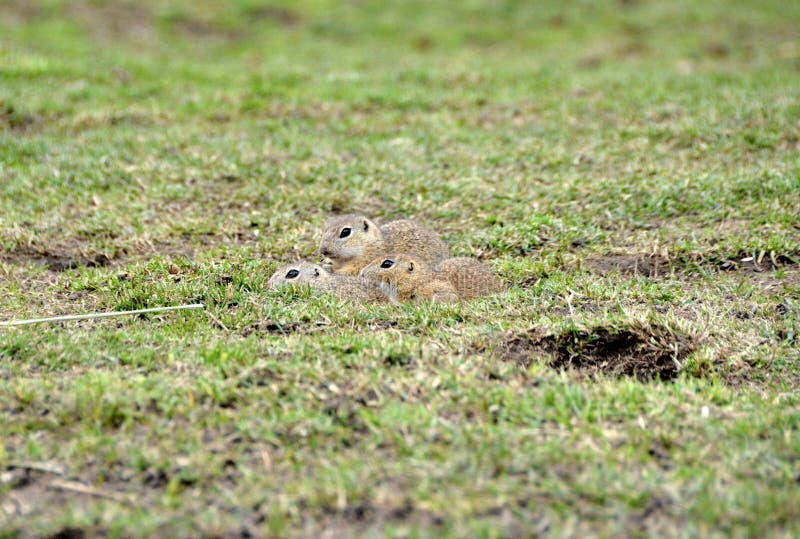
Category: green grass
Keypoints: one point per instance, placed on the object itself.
(630, 169)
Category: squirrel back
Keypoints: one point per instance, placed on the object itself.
(409, 237)
(469, 276)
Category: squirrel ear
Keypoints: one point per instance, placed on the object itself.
(366, 224)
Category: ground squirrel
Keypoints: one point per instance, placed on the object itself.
(470, 278)
(343, 286)
(405, 278)
(351, 242)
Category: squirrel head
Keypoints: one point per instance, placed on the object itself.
(350, 237)
(397, 270)
(299, 272)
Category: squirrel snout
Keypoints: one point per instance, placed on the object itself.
(325, 251)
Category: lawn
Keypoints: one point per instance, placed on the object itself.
(630, 169)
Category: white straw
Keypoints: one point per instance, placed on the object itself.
(89, 316)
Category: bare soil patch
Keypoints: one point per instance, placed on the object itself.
(197, 28)
(271, 327)
(365, 517)
(57, 257)
(78, 252)
(16, 120)
(37, 488)
(168, 248)
(344, 409)
(639, 350)
(629, 264)
(108, 20)
(20, 12)
(757, 262)
(279, 14)
(131, 118)
(653, 266)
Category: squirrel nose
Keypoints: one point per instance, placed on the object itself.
(325, 251)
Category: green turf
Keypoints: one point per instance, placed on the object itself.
(631, 169)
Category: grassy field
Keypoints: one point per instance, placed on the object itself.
(631, 169)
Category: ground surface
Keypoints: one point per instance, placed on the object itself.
(629, 168)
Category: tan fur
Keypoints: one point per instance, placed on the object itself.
(366, 242)
(343, 286)
(470, 278)
(409, 279)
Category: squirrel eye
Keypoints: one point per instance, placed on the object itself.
(387, 263)
(345, 232)
(292, 274)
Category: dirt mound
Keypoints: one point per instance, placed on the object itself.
(640, 350)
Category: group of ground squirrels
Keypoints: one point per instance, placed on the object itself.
(400, 261)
